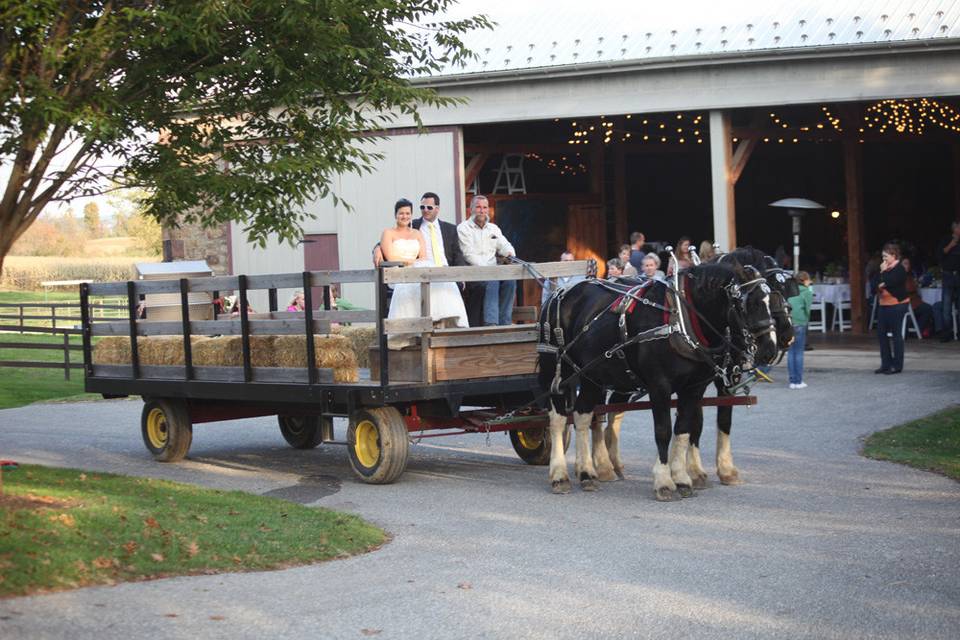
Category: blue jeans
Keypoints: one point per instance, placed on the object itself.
(498, 302)
(890, 321)
(795, 354)
(951, 293)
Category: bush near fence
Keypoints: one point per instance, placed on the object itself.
(25, 273)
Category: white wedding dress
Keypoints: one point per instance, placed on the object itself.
(446, 304)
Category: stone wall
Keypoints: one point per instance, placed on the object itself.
(193, 242)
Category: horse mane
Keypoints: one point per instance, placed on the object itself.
(713, 275)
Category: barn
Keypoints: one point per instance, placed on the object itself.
(584, 123)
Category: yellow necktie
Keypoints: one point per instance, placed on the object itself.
(435, 243)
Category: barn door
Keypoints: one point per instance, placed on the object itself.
(320, 253)
(587, 234)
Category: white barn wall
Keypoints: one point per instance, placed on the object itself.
(412, 163)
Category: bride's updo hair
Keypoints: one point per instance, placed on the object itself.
(400, 204)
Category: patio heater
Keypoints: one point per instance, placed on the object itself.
(796, 209)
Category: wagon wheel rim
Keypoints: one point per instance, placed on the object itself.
(367, 443)
(157, 428)
(530, 438)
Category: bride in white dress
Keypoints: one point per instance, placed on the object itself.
(403, 243)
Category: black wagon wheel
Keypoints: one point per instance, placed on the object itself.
(304, 432)
(378, 444)
(533, 444)
(166, 428)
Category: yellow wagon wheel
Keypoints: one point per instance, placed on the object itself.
(378, 444)
(166, 429)
(533, 444)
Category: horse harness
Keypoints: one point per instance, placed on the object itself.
(681, 328)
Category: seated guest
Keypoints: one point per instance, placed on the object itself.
(638, 249)
(707, 252)
(553, 284)
(614, 268)
(483, 245)
(922, 310)
(683, 259)
(296, 303)
(651, 266)
(628, 269)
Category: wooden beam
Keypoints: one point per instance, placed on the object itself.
(721, 156)
(853, 178)
(956, 181)
(473, 169)
(740, 158)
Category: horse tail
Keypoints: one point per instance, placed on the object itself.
(548, 361)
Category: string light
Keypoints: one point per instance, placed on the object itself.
(912, 116)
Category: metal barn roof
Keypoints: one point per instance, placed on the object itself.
(545, 34)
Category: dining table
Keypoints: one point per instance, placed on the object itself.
(931, 295)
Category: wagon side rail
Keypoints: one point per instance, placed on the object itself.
(244, 324)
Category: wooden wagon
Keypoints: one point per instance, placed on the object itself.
(451, 381)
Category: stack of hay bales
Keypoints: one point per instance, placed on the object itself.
(151, 350)
(330, 352)
(361, 340)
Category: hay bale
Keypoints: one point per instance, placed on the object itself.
(361, 339)
(151, 350)
(330, 352)
(160, 350)
(227, 351)
(346, 374)
(112, 350)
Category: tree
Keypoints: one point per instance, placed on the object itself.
(278, 92)
(91, 218)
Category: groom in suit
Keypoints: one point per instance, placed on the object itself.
(438, 234)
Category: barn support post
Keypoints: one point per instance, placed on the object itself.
(722, 185)
(853, 178)
(620, 197)
(956, 181)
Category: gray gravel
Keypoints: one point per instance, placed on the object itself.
(817, 543)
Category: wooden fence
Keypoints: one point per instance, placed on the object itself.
(28, 318)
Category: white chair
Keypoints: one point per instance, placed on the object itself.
(909, 315)
(839, 320)
(818, 307)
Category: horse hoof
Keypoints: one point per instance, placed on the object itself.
(561, 486)
(732, 479)
(619, 472)
(663, 494)
(700, 482)
(606, 475)
(589, 484)
(685, 491)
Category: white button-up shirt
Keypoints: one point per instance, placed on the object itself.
(425, 230)
(481, 246)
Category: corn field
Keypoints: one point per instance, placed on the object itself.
(25, 273)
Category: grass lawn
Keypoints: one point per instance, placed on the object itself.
(21, 386)
(65, 528)
(931, 443)
(40, 296)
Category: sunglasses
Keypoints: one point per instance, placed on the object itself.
(427, 207)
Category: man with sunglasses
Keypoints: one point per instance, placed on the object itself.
(443, 245)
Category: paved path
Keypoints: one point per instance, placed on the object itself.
(818, 543)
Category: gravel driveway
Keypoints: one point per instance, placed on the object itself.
(817, 543)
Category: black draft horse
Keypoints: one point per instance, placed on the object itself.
(782, 287)
(641, 334)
